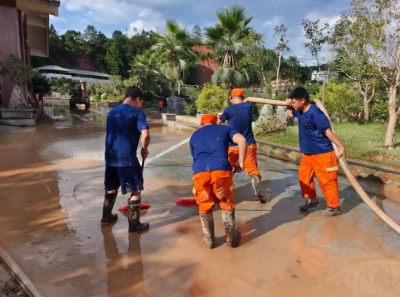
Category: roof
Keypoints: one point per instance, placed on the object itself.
(56, 2)
(72, 71)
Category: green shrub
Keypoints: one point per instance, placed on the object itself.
(190, 92)
(40, 83)
(190, 108)
(252, 93)
(282, 96)
(313, 89)
(212, 99)
(342, 102)
(97, 97)
(60, 85)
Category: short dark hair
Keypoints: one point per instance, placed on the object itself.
(299, 93)
(133, 92)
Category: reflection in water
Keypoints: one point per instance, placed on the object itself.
(56, 112)
(124, 271)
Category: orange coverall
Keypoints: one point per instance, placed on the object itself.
(250, 162)
(215, 187)
(325, 167)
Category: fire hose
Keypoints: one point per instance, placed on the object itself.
(343, 163)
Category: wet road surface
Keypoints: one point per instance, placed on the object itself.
(51, 196)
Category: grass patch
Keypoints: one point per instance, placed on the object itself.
(362, 142)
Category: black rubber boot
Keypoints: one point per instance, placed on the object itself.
(256, 184)
(134, 218)
(108, 216)
(207, 221)
(232, 236)
(309, 204)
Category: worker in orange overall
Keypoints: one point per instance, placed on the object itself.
(316, 137)
(239, 116)
(212, 176)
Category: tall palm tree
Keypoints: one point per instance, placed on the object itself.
(226, 41)
(145, 70)
(170, 47)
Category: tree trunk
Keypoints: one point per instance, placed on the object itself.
(173, 89)
(275, 90)
(18, 99)
(393, 117)
(366, 107)
(323, 91)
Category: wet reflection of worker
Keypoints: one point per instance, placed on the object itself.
(126, 124)
(212, 176)
(124, 271)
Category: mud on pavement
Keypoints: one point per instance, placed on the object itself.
(50, 225)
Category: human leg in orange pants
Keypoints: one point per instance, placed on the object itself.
(325, 167)
(210, 188)
(251, 168)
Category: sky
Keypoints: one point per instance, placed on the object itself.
(125, 15)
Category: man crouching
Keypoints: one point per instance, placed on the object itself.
(212, 176)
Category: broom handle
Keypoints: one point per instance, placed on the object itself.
(353, 181)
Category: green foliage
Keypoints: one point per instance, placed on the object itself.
(379, 111)
(281, 96)
(170, 48)
(229, 77)
(380, 107)
(115, 85)
(197, 35)
(313, 89)
(226, 39)
(190, 91)
(212, 99)
(316, 36)
(113, 59)
(40, 83)
(60, 85)
(189, 109)
(150, 99)
(342, 102)
(110, 55)
(145, 71)
(16, 70)
(362, 141)
(96, 97)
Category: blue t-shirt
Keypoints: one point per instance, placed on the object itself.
(240, 118)
(124, 127)
(312, 125)
(209, 148)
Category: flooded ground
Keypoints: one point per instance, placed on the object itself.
(51, 196)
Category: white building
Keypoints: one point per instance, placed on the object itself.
(321, 76)
(75, 74)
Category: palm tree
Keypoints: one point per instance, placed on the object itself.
(145, 70)
(170, 47)
(226, 41)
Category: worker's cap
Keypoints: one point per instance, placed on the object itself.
(208, 119)
(238, 92)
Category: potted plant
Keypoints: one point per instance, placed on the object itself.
(20, 74)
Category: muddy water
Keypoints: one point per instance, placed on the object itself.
(51, 197)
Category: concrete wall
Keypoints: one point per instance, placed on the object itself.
(188, 120)
(9, 44)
